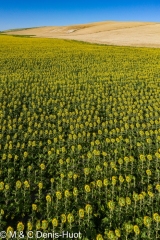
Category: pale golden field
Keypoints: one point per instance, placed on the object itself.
(141, 34)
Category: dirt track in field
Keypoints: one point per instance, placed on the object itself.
(141, 34)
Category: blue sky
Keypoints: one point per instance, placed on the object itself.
(32, 13)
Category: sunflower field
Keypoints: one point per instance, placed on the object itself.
(80, 139)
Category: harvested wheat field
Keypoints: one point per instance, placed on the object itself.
(141, 34)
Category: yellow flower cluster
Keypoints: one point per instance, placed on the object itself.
(80, 135)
